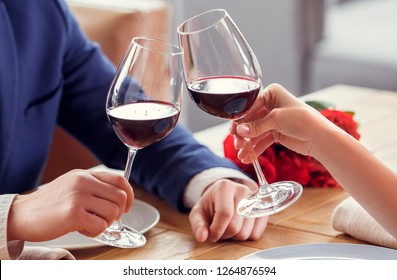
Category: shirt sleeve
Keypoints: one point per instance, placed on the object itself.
(201, 181)
(9, 250)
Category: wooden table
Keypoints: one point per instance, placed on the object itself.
(307, 221)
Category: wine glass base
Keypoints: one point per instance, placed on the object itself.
(123, 238)
(259, 204)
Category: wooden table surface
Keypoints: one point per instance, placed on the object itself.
(307, 221)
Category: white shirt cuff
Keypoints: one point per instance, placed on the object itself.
(9, 250)
(201, 181)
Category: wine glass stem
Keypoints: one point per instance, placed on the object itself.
(117, 224)
(130, 160)
(264, 186)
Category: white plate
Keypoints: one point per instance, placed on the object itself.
(142, 217)
(325, 251)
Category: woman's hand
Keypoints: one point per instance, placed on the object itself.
(277, 116)
(83, 201)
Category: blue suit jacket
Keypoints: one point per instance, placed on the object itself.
(50, 73)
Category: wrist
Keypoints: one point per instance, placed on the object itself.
(14, 230)
(327, 142)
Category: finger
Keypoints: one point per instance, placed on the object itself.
(245, 231)
(264, 103)
(247, 155)
(114, 196)
(224, 211)
(91, 225)
(241, 142)
(103, 208)
(258, 111)
(93, 194)
(239, 228)
(199, 223)
(232, 127)
(235, 226)
(258, 106)
(258, 127)
(262, 143)
(113, 179)
(202, 234)
(272, 97)
(119, 182)
(259, 228)
(252, 229)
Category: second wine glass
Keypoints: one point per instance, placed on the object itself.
(143, 106)
(224, 78)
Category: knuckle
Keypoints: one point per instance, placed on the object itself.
(226, 212)
(234, 229)
(121, 196)
(255, 128)
(79, 177)
(276, 114)
(274, 87)
(121, 181)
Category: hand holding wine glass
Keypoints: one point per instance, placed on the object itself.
(143, 106)
(224, 78)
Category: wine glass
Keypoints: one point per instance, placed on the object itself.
(223, 77)
(143, 105)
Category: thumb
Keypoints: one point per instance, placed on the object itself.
(252, 129)
(271, 121)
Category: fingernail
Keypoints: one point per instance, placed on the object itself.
(243, 129)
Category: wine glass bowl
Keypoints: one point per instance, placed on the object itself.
(143, 106)
(228, 97)
(142, 123)
(223, 78)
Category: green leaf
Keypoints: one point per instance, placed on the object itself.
(320, 105)
(350, 112)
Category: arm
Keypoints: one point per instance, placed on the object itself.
(363, 175)
(165, 168)
(280, 117)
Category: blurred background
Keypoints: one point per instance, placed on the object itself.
(305, 45)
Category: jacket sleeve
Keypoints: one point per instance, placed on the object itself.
(164, 168)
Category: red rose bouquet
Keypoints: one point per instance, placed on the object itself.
(279, 163)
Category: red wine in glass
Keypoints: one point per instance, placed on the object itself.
(224, 78)
(228, 97)
(143, 106)
(142, 123)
